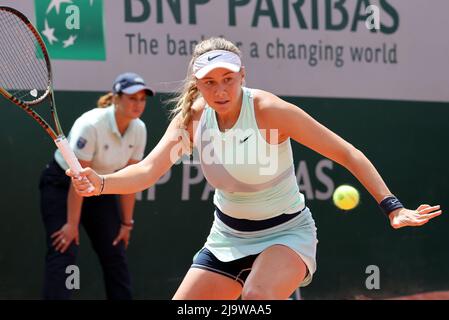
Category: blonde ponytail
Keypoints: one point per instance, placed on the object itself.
(106, 100)
(185, 101)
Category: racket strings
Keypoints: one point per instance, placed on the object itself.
(23, 39)
(22, 82)
(8, 68)
(27, 46)
(23, 73)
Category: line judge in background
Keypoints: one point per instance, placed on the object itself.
(107, 138)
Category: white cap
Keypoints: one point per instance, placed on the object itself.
(216, 59)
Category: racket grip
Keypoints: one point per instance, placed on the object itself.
(69, 157)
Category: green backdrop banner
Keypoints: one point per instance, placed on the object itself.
(312, 48)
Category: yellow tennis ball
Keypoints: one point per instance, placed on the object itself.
(346, 197)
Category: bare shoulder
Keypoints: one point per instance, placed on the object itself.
(268, 104)
(263, 99)
(270, 110)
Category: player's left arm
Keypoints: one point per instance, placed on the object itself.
(293, 122)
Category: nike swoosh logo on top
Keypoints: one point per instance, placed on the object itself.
(244, 140)
(214, 57)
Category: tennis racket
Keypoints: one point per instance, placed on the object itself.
(26, 77)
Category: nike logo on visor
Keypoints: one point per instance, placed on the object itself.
(214, 57)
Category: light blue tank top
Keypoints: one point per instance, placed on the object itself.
(252, 178)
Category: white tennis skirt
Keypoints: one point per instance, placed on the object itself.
(299, 234)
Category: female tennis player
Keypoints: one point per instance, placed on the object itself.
(262, 243)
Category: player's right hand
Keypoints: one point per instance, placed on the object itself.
(84, 187)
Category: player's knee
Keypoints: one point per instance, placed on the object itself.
(257, 293)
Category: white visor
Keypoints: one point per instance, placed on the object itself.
(216, 59)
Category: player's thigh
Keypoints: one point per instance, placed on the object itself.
(200, 284)
(275, 274)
